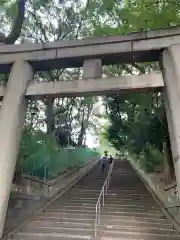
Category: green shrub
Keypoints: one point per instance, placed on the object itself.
(39, 155)
(150, 159)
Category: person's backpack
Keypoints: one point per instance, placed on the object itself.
(110, 159)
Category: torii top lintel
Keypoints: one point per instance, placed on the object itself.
(138, 47)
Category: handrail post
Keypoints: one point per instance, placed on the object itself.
(95, 223)
(102, 195)
(99, 212)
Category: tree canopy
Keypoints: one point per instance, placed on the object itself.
(137, 121)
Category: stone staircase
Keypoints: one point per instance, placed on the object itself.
(21, 206)
(71, 216)
(130, 212)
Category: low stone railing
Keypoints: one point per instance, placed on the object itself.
(35, 186)
(169, 204)
(52, 190)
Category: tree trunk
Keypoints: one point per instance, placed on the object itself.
(84, 125)
(50, 115)
(168, 164)
(17, 26)
(81, 135)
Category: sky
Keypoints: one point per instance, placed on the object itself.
(92, 139)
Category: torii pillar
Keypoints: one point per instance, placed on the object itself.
(12, 114)
(171, 75)
(92, 68)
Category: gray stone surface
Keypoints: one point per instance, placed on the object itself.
(97, 86)
(92, 87)
(11, 123)
(92, 68)
(171, 75)
(139, 46)
(130, 212)
(31, 205)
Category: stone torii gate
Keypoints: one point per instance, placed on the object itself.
(23, 60)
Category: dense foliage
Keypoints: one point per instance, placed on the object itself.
(53, 123)
(40, 156)
(137, 121)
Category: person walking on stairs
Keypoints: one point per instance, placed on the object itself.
(104, 160)
(110, 159)
(103, 163)
(106, 152)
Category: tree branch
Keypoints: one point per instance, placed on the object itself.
(141, 69)
(17, 26)
(127, 69)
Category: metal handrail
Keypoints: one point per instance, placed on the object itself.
(102, 195)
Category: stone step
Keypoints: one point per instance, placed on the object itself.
(136, 222)
(66, 218)
(140, 229)
(50, 236)
(66, 223)
(162, 220)
(152, 228)
(88, 218)
(60, 229)
(131, 206)
(136, 235)
(130, 201)
(129, 212)
(60, 202)
(95, 198)
(129, 237)
(132, 198)
(108, 205)
(109, 194)
(129, 194)
(128, 190)
(111, 221)
(133, 189)
(106, 208)
(22, 196)
(104, 224)
(120, 212)
(87, 213)
(107, 201)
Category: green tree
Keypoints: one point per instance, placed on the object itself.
(63, 119)
(137, 121)
(12, 15)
